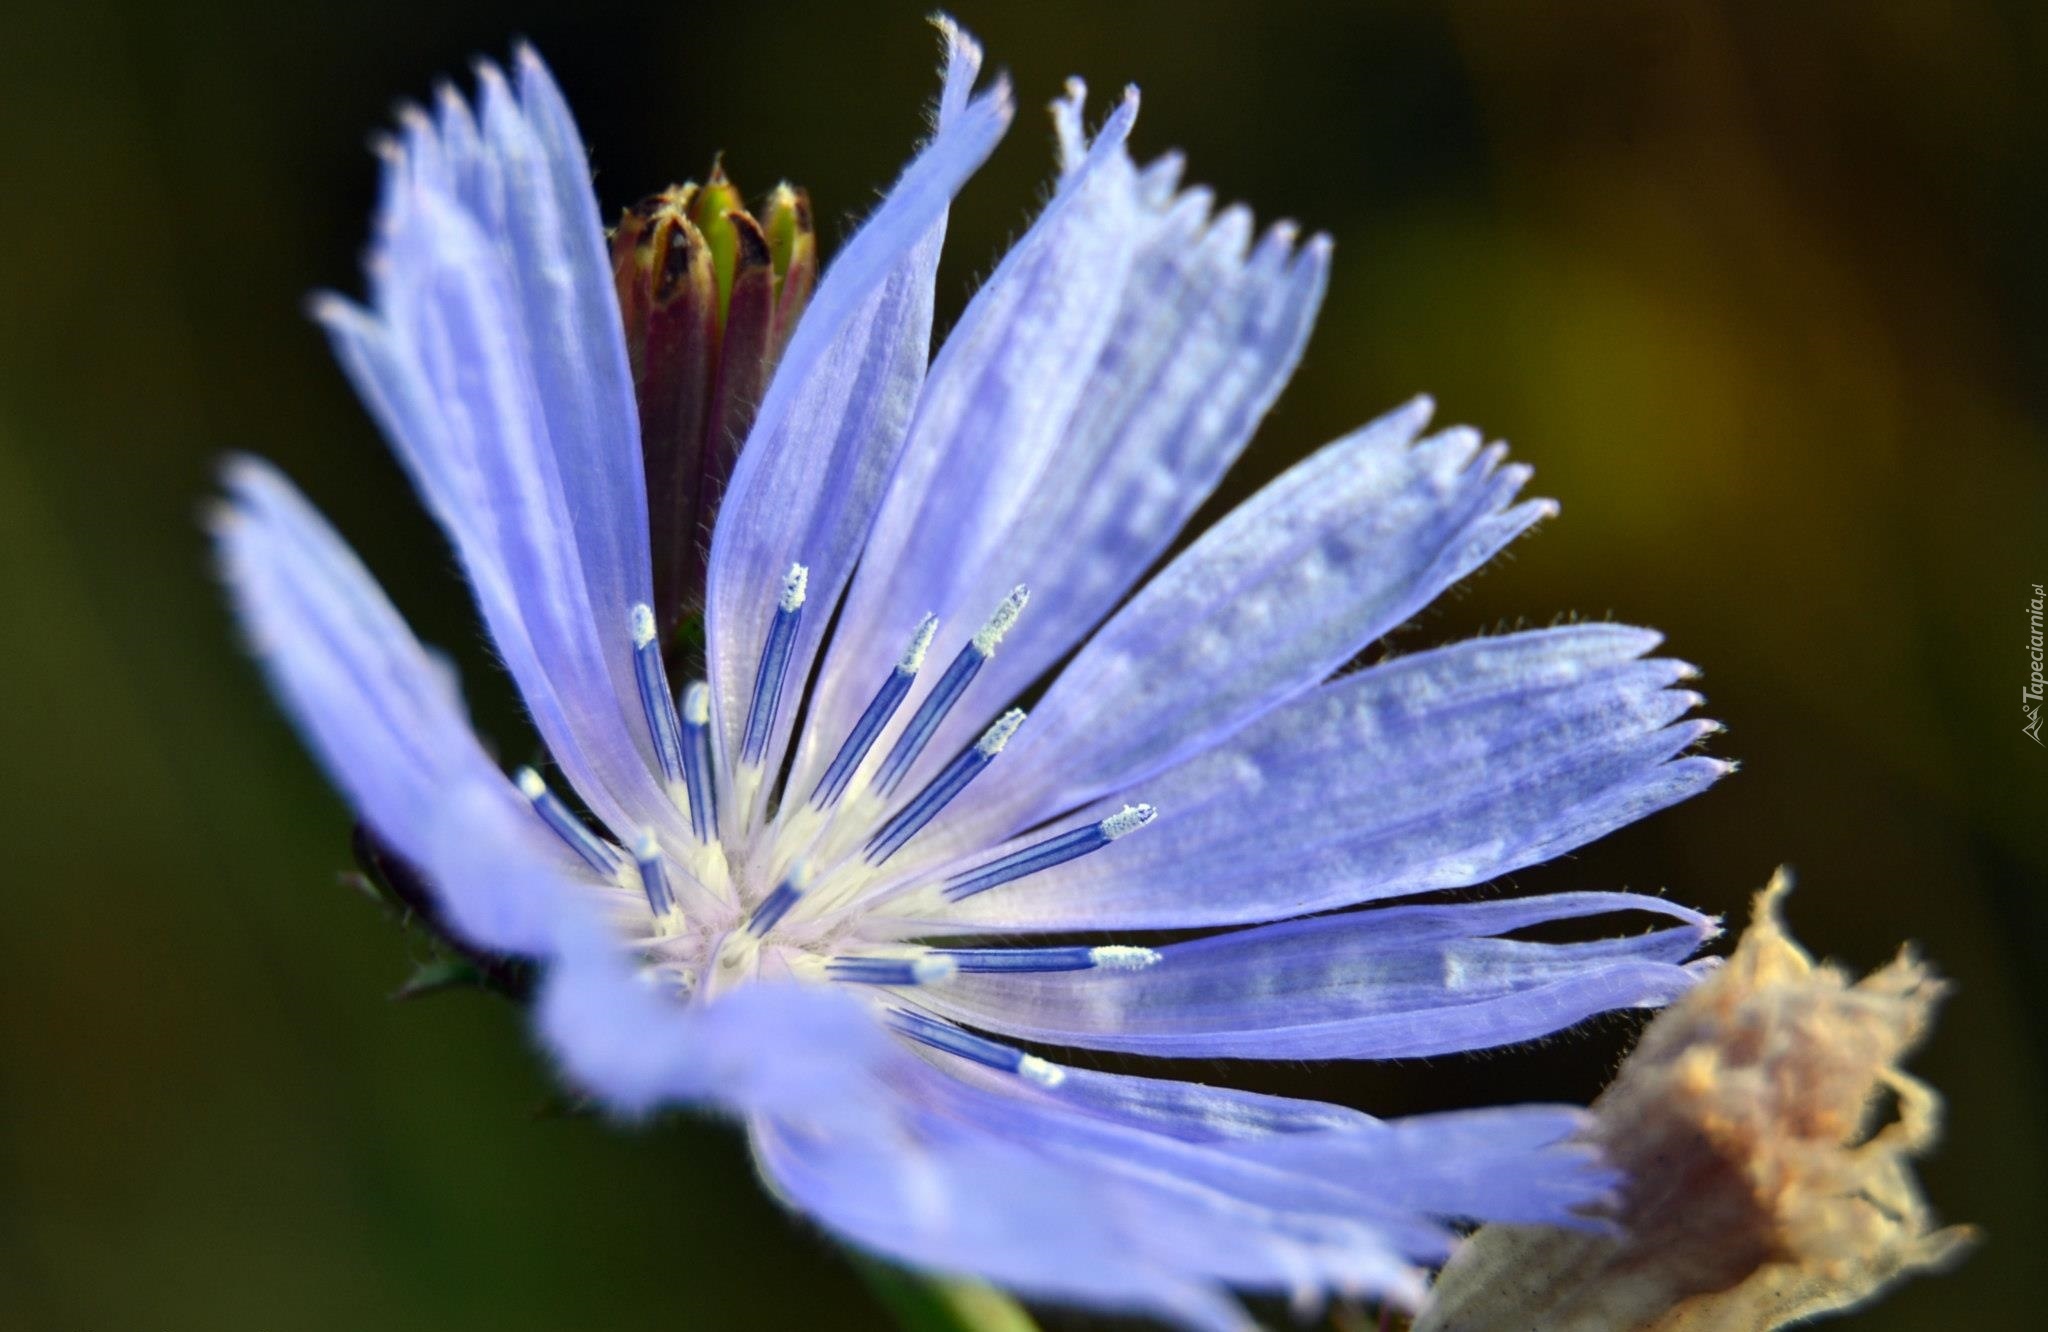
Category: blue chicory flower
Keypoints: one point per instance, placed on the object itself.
(826, 889)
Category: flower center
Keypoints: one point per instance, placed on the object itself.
(795, 890)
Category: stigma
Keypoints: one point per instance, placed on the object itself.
(876, 717)
(948, 690)
(654, 881)
(950, 782)
(1052, 851)
(768, 679)
(600, 855)
(662, 725)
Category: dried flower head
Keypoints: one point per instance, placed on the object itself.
(1761, 1189)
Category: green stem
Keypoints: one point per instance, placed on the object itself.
(941, 1304)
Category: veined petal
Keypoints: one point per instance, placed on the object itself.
(1283, 591)
(517, 169)
(996, 395)
(990, 1176)
(829, 431)
(1384, 984)
(950, 1198)
(383, 717)
(1205, 337)
(494, 361)
(1102, 381)
(1521, 1164)
(1516, 1165)
(1437, 770)
(556, 253)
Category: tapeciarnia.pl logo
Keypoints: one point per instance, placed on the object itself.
(2030, 696)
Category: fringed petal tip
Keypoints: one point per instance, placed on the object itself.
(1070, 131)
(961, 59)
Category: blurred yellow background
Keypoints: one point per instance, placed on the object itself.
(1757, 288)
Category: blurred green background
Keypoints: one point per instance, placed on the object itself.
(1757, 288)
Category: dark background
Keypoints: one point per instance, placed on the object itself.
(1757, 288)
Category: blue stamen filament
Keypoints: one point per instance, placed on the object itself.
(890, 970)
(599, 855)
(774, 666)
(777, 904)
(661, 899)
(696, 747)
(950, 782)
(869, 728)
(655, 699)
(925, 721)
(1052, 851)
(990, 1054)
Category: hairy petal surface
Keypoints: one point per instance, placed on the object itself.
(1384, 984)
(829, 432)
(1296, 581)
(1441, 769)
(493, 358)
(1105, 377)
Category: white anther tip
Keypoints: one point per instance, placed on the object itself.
(929, 969)
(1002, 620)
(920, 643)
(646, 848)
(697, 703)
(795, 584)
(1127, 820)
(1041, 1071)
(1123, 957)
(643, 624)
(995, 737)
(529, 783)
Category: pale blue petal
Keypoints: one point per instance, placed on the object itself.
(556, 245)
(1436, 770)
(519, 172)
(1204, 340)
(1011, 1184)
(494, 361)
(382, 715)
(832, 424)
(1284, 1229)
(804, 1052)
(1517, 1164)
(959, 1201)
(1383, 984)
(1523, 1165)
(1098, 387)
(1295, 582)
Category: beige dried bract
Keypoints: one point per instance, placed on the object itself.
(1759, 1191)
